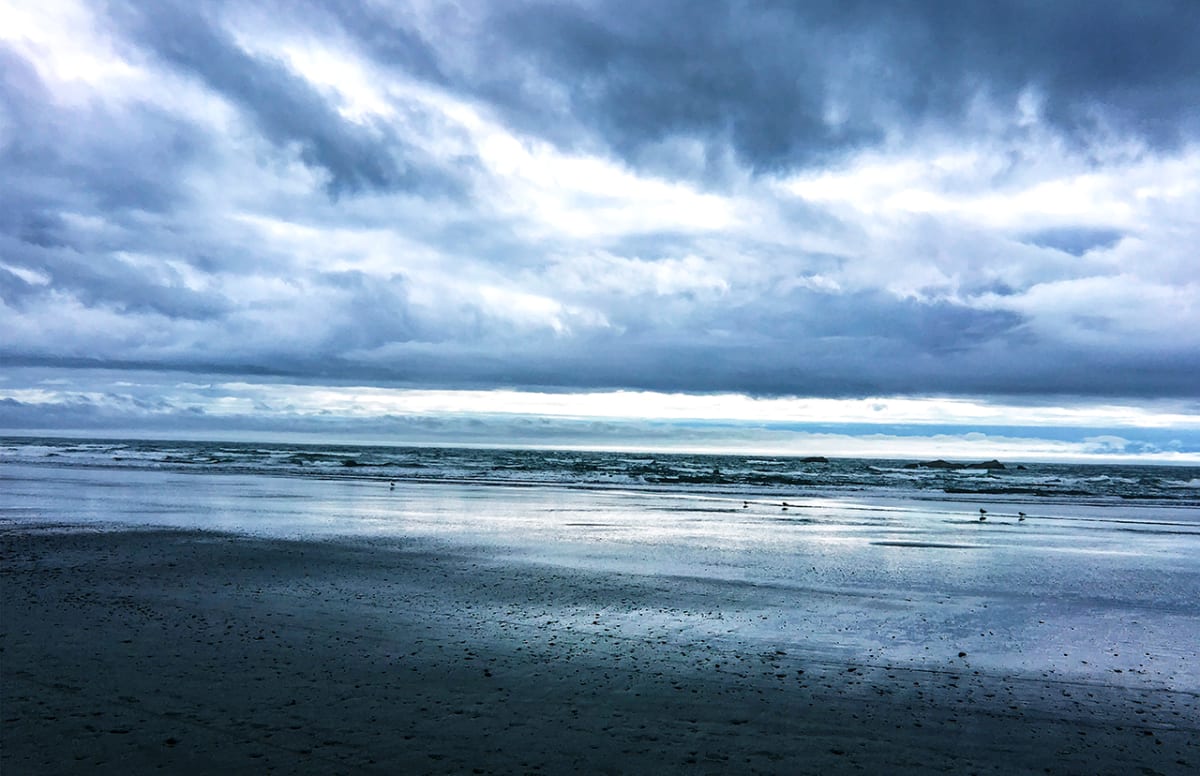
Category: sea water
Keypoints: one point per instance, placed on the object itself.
(863, 560)
(1010, 482)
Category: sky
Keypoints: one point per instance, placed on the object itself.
(860, 228)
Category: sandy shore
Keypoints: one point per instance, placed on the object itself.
(128, 651)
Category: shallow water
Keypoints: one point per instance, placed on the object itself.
(1078, 592)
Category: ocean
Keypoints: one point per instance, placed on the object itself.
(1007, 482)
(1060, 592)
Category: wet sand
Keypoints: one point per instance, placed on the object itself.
(130, 650)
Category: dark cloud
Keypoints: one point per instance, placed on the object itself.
(794, 84)
(373, 312)
(14, 289)
(414, 262)
(95, 281)
(758, 81)
(90, 157)
(1075, 241)
(387, 34)
(80, 411)
(285, 107)
(835, 366)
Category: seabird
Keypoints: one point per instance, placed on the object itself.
(1020, 517)
(982, 514)
(391, 486)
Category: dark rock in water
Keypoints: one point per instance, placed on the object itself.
(815, 459)
(350, 462)
(950, 465)
(1020, 467)
(938, 464)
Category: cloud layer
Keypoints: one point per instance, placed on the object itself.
(106, 403)
(817, 199)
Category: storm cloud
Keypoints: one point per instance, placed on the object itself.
(787, 84)
(992, 199)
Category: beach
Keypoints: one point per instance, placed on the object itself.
(195, 623)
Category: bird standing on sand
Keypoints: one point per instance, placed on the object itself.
(1020, 517)
(982, 514)
(391, 486)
